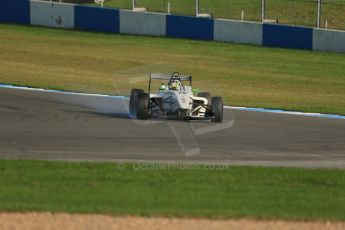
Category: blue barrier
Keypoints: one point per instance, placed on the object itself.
(287, 37)
(15, 11)
(108, 21)
(190, 27)
(97, 19)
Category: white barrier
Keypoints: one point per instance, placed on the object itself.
(53, 14)
(140, 23)
(238, 31)
(328, 40)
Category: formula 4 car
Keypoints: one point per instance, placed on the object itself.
(175, 99)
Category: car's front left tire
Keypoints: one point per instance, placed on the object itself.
(143, 106)
(133, 101)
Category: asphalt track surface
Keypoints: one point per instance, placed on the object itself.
(56, 126)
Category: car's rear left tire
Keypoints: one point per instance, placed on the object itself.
(207, 95)
(143, 106)
(217, 109)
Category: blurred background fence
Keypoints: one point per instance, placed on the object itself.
(290, 12)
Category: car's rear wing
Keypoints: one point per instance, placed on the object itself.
(167, 77)
(164, 76)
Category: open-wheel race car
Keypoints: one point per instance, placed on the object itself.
(175, 99)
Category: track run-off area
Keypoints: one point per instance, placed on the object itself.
(54, 125)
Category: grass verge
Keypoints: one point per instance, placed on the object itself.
(244, 75)
(157, 190)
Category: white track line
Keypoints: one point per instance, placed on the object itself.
(262, 110)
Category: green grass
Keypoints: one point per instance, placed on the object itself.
(233, 192)
(244, 75)
(295, 12)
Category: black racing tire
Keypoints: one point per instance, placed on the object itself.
(183, 114)
(217, 109)
(143, 106)
(133, 101)
(205, 94)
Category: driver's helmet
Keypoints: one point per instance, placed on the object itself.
(176, 75)
(175, 85)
